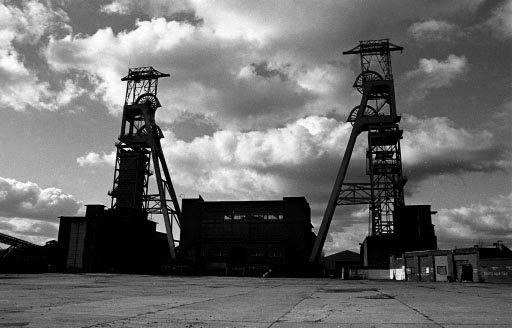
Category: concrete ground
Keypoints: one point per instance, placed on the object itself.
(107, 300)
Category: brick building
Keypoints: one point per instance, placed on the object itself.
(247, 237)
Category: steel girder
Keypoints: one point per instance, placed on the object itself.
(385, 189)
(139, 145)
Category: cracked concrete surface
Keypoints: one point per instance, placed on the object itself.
(108, 300)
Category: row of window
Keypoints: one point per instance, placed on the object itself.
(440, 270)
(273, 254)
(260, 216)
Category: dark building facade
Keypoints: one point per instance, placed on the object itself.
(247, 237)
(110, 241)
(413, 231)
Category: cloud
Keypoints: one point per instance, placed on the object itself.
(434, 74)
(269, 160)
(434, 146)
(501, 19)
(245, 65)
(154, 8)
(484, 222)
(20, 88)
(348, 239)
(35, 231)
(28, 200)
(95, 159)
(230, 81)
(433, 30)
(30, 212)
(296, 158)
(29, 21)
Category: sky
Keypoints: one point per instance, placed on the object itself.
(256, 104)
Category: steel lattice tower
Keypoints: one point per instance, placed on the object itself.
(378, 117)
(139, 143)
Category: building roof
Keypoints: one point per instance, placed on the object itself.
(343, 256)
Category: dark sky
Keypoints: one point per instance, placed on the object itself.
(256, 104)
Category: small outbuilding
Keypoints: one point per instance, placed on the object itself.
(473, 264)
(337, 265)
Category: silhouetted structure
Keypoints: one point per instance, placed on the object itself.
(104, 241)
(391, 222)
(22, 256)
(248, 237)
(139, 143)
(122, 238)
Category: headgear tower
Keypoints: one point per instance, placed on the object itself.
(139, 144)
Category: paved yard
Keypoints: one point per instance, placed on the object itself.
(104, 300)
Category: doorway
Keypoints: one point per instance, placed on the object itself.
(467, 272)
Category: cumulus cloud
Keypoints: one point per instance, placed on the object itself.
(224, 67)
(95, 159)
(434, 74)
(30, 212)
(28, 200)
(430, 147)
(433, 30)
(281, 160)
(34, 231)
(483, 222)
(231, 81)
(434, 146)
(269, 158)
(29, 21)
(20, 87)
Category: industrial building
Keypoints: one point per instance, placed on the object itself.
(473, 264)
(104, 241)
(413, 231)
(247, 237)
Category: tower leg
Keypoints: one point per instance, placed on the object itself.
(342, 172)
(157, 159)
(331, 205)
(163, 205)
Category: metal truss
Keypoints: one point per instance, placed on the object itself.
(139, 145)
(376, 114)
(355, 194)
(15, 242)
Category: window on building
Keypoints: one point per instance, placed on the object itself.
(257, 254)
(253, 214)
(274, 216)
(275, 254)
(410, 270)
(441, 270)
